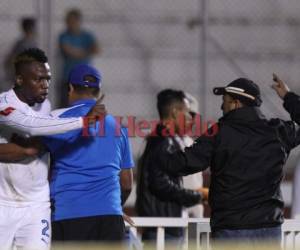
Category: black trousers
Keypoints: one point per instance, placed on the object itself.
(106, 228)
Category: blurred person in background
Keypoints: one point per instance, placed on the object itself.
(91, 175)
(28, 40)
(193, 181)
(165, 197)
(76, 46)
(246, 157)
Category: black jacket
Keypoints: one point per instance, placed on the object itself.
(165, 196)
(246, 157)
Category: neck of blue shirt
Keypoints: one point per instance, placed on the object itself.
(90, 101)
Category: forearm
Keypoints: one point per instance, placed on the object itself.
(181, 163)
(183, 197)
(39, 125)
(126, 180)
(194, 159)
(165, 188)
(124, 195)
(10, 152)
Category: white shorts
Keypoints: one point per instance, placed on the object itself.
(25, 227)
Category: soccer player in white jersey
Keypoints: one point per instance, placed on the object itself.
(24, 190)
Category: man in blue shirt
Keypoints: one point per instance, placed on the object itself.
(77, 46)
(86, 170)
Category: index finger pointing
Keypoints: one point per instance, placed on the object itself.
(275, 77)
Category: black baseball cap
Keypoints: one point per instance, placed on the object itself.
(242, 89)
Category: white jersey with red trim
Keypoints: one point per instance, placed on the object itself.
(25, 182)
(18, 116)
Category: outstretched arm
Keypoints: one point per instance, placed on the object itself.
(291, 100)
(35, 125)
(192, 160)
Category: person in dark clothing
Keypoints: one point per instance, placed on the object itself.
(246, 157)
(169, 199)
(28, 40)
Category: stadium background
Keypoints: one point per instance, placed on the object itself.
(192, 45)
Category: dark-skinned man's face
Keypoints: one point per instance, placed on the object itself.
(33, 82)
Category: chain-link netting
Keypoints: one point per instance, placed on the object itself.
(146, 46)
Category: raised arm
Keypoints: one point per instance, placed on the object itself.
(35, 125)
(291, 101)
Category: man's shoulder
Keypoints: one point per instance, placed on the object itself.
(87, 36)
(86, 33)
(7, 99)
(279, 123)
(160, 144)
(284, 128)
(63, 34)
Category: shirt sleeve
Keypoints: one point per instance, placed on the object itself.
(193, 159)
(292, 105)
(166, 189)
(126, 159)
(35, 125)
(290, 134)
(56, 142)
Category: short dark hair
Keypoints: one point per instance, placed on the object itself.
(28, 24)
(74, 13)
(166, 98)
(28, 56)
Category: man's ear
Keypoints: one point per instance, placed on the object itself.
(19, 80)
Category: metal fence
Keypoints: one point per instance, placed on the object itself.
(191, 45)
(290, 233)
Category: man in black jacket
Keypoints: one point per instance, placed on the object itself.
(246, 157)
(169, 198)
